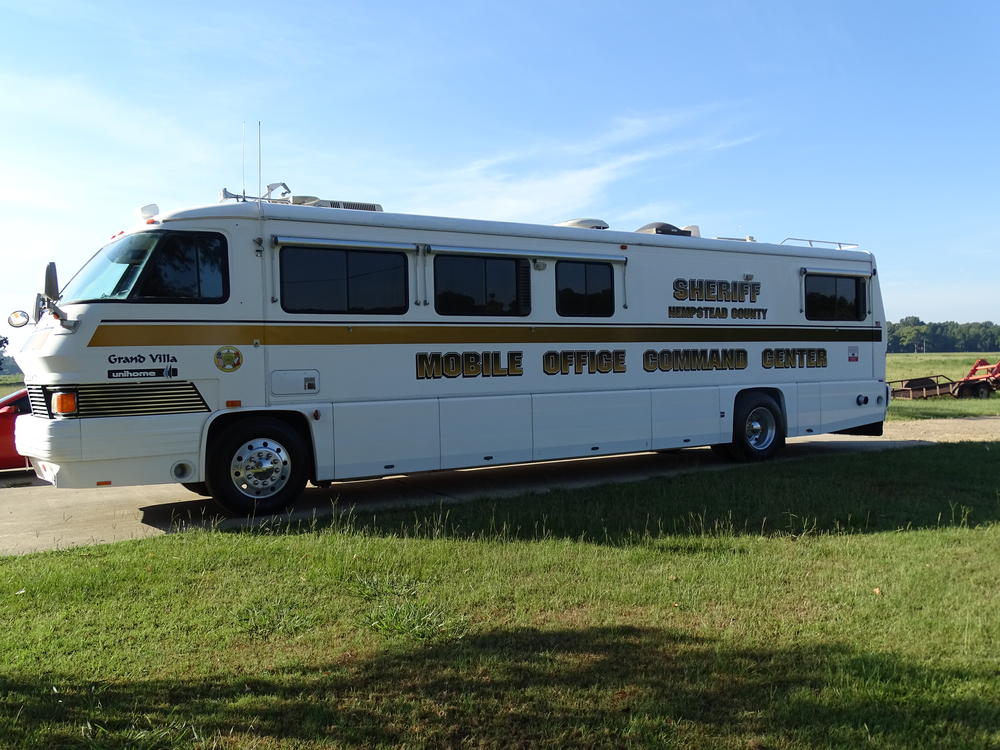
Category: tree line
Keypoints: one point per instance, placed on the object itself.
(911, 334)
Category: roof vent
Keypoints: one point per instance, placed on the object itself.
(584, 224)
(661, 227)
(308, 200)
(355, 205)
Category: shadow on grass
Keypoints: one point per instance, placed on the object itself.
(602, 687)
(955, 485)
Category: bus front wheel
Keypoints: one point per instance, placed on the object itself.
(257, 467)
(198, 488)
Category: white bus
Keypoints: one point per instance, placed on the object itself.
(245, 348)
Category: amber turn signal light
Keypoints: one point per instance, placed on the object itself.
(64, 403)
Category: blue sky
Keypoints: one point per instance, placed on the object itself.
(864, 122)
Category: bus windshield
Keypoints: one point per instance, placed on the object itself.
(112, 272)
(158, 266)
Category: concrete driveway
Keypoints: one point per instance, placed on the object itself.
(35, 516)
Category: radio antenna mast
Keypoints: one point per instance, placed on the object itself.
(260, 182)
(244, 160)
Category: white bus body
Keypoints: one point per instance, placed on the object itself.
(244, 348)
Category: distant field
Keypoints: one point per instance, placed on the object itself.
(10, 383)
(955, 366)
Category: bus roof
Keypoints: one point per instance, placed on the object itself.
(251, 209)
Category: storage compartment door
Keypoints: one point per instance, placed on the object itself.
(485, 431)
(687, 416)
(590, 424)
(851, 404)
(373, 438)
(810, 413)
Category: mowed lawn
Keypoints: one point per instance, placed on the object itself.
(835, 602)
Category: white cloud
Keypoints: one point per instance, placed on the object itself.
(130, 123)
(538, 197)
(545, 183)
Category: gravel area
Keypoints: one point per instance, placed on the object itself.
(980, 429)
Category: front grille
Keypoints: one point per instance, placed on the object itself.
(120, 399)
(39, 403)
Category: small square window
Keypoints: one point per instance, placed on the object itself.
(584, 289)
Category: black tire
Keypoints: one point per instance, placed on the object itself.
(758, 428)
(198, 488)
(983, 390)
(257, 467)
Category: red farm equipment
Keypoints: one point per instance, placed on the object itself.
(980, 382)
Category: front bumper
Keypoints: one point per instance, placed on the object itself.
(80, 453)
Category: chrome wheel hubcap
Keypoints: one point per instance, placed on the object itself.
(260, 468)
(761, 428)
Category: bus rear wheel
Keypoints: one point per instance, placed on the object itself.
(257, 467)
(758, 428)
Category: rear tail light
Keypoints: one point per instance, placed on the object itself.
(64, 402)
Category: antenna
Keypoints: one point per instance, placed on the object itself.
(244, 158)
(260, 182)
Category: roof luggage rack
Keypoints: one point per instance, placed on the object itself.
(287, 199)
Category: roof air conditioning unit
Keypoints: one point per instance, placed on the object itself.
(584, 224)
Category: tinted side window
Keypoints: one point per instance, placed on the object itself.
(584, 289)
(835, 298)
(470, 285)
(343, 281)
(186, 267)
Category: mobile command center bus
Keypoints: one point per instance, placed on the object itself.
(245, 348)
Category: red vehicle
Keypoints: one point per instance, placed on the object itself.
(981, 381)
(10, 406)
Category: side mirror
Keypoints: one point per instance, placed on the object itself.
(18, 319)
(51, 282)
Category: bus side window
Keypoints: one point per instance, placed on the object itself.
(473, 285)
(186, 267)
(831, 297)
(320, 280)
(584, 289)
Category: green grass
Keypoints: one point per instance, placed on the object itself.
(840, 602)
(10, 383)
(953, 365)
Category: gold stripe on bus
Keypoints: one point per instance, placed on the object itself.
(214, 334)
(193, 334)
